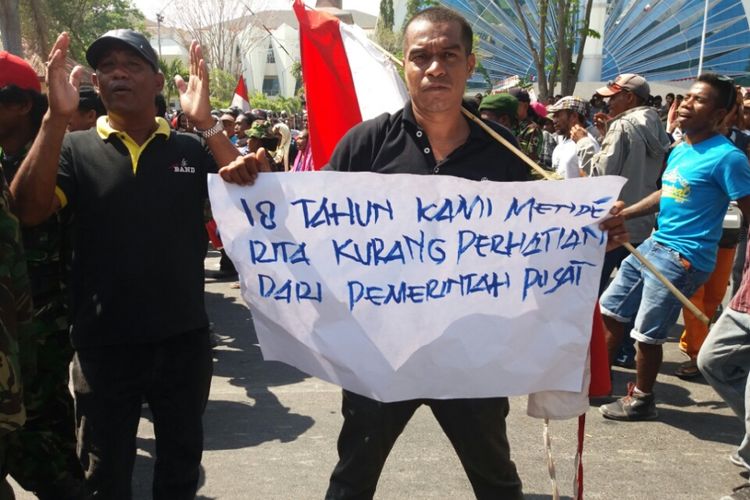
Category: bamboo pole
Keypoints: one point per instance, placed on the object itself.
(549, 176)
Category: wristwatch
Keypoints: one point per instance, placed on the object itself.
(210, 132)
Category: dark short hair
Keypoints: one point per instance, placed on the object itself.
(12, 94)
(161, 105)
(439, 15)
(247, 117)
(726, 94)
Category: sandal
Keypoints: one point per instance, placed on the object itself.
(687, 370)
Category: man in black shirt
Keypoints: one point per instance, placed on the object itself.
(136, 190)
(430, 136)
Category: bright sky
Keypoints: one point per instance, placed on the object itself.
(151, 7)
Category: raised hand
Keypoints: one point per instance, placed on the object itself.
(601, 120)
(62, 87)
(194, 94)
(577, 132)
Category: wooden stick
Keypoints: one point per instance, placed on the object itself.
(502, 140)
(549, 176)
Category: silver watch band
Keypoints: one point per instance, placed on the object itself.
(210, 132)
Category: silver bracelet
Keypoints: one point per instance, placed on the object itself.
(217, 128)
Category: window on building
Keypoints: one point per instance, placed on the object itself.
(271, 85)
(270, 58)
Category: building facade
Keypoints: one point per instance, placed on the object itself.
(660, 39)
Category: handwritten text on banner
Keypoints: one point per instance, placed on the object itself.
(404, 286)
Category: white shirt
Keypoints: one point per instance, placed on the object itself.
(566, 156)
(565, 159)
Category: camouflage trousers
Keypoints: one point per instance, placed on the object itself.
(41, 456)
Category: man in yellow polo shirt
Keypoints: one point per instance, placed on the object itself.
(136, 190)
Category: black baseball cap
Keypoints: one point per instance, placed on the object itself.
(520, 94)
(88, 99)
(129, 38)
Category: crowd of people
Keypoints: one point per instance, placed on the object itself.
(104, 191)
(685, 160)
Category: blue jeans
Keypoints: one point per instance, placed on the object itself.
(636, 292)
(724, 359)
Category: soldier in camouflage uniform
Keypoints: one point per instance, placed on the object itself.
(17, 361)
(527, 132)
(41, 456)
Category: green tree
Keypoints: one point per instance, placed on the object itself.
(385, 21)
(170, 70)
(554, 59)
(221, 88)
(288, 104)
(84, 20)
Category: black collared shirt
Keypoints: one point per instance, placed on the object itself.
(138, 235)
(397, 144)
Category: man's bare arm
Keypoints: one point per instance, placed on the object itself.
(197, 106)
(33, 187)
(648, 205)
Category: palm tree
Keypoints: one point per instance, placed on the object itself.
(170, 69)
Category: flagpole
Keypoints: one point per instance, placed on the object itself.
(547, 175)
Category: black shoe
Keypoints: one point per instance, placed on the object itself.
(632, 407)
(628, 363)
(739, 493)
(221, 274)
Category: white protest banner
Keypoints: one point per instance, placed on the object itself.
(406, 286)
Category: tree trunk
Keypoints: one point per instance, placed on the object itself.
(38, 17)
(569, 86)
(539, 54)
(10, 25)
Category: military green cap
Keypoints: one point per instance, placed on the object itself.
(502, 104)
(260, 129)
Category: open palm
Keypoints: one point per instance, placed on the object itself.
(194, 94)
(62, 87)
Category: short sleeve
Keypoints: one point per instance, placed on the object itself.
(356, 150)
(66, 185)
(209, 162)
(733, 174)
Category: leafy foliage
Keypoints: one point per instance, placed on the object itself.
(84, 20)
(291, 105)
(385, 21)
(557, 60)
(221, 88)
(170, 70)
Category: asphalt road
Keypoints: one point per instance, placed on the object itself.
(271, 434)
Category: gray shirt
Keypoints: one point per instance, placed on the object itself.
(634, 147)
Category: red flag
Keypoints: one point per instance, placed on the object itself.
(240, 98)
(601, 384)
(347, 79)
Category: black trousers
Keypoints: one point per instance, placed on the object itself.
(174, 376)
(475, 428)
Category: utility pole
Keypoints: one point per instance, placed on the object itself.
(159, 20)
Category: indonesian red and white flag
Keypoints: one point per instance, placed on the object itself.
(240, 99)
(347, 79)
